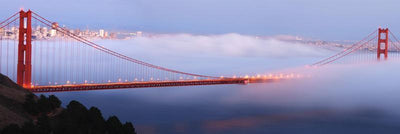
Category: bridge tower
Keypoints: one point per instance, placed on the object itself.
(24, 67)
(383, 39)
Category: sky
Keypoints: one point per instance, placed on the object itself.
(327, 20)
(207, 31)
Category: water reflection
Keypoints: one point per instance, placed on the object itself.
(341, 103)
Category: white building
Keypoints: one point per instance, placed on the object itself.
(101, 32)
(53, 32)
(44, 31)
(139, 33)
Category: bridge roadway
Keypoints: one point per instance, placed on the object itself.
(101, 86)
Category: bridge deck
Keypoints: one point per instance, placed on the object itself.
(83, 87)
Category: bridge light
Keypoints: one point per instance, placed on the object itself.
(246, 76)
(258, 76)
(68, 82)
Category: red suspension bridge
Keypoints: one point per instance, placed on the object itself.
(62, 60)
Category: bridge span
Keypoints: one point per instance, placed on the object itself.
(149, 84)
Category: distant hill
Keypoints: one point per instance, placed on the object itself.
(21, 112)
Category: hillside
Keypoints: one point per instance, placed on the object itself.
(22, 112)
(12, 97)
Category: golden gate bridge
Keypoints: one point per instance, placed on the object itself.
(69, 62)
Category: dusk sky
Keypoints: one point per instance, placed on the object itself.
(328, 20)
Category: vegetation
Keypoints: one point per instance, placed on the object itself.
(43, 105)
(50, 118)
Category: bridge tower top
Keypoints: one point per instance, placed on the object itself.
(383, 42)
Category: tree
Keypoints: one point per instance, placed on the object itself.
(11, 129)
(44, 104)
(54, 102)
(30, 128)
(114, 126)
(43, 124)
(128, 128)
(97, 124)
(30, 105)
(77, 111)
(76, 119)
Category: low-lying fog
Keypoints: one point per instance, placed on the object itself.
(337, 98)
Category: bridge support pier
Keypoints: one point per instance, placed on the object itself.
(383, 39)
(24, 67)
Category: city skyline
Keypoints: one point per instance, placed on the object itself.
(310, 18)
(43, 32)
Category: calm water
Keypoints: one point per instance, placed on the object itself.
(335, 99)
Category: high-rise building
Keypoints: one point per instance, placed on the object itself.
(37, 34)
(53, 32)
(2, 32)
(87, 32)
(78, 32)
(139, 33)
(38, 28)
(44, 31)
(105, 34)
(113, 35)
(14, 29)
(101, 32)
